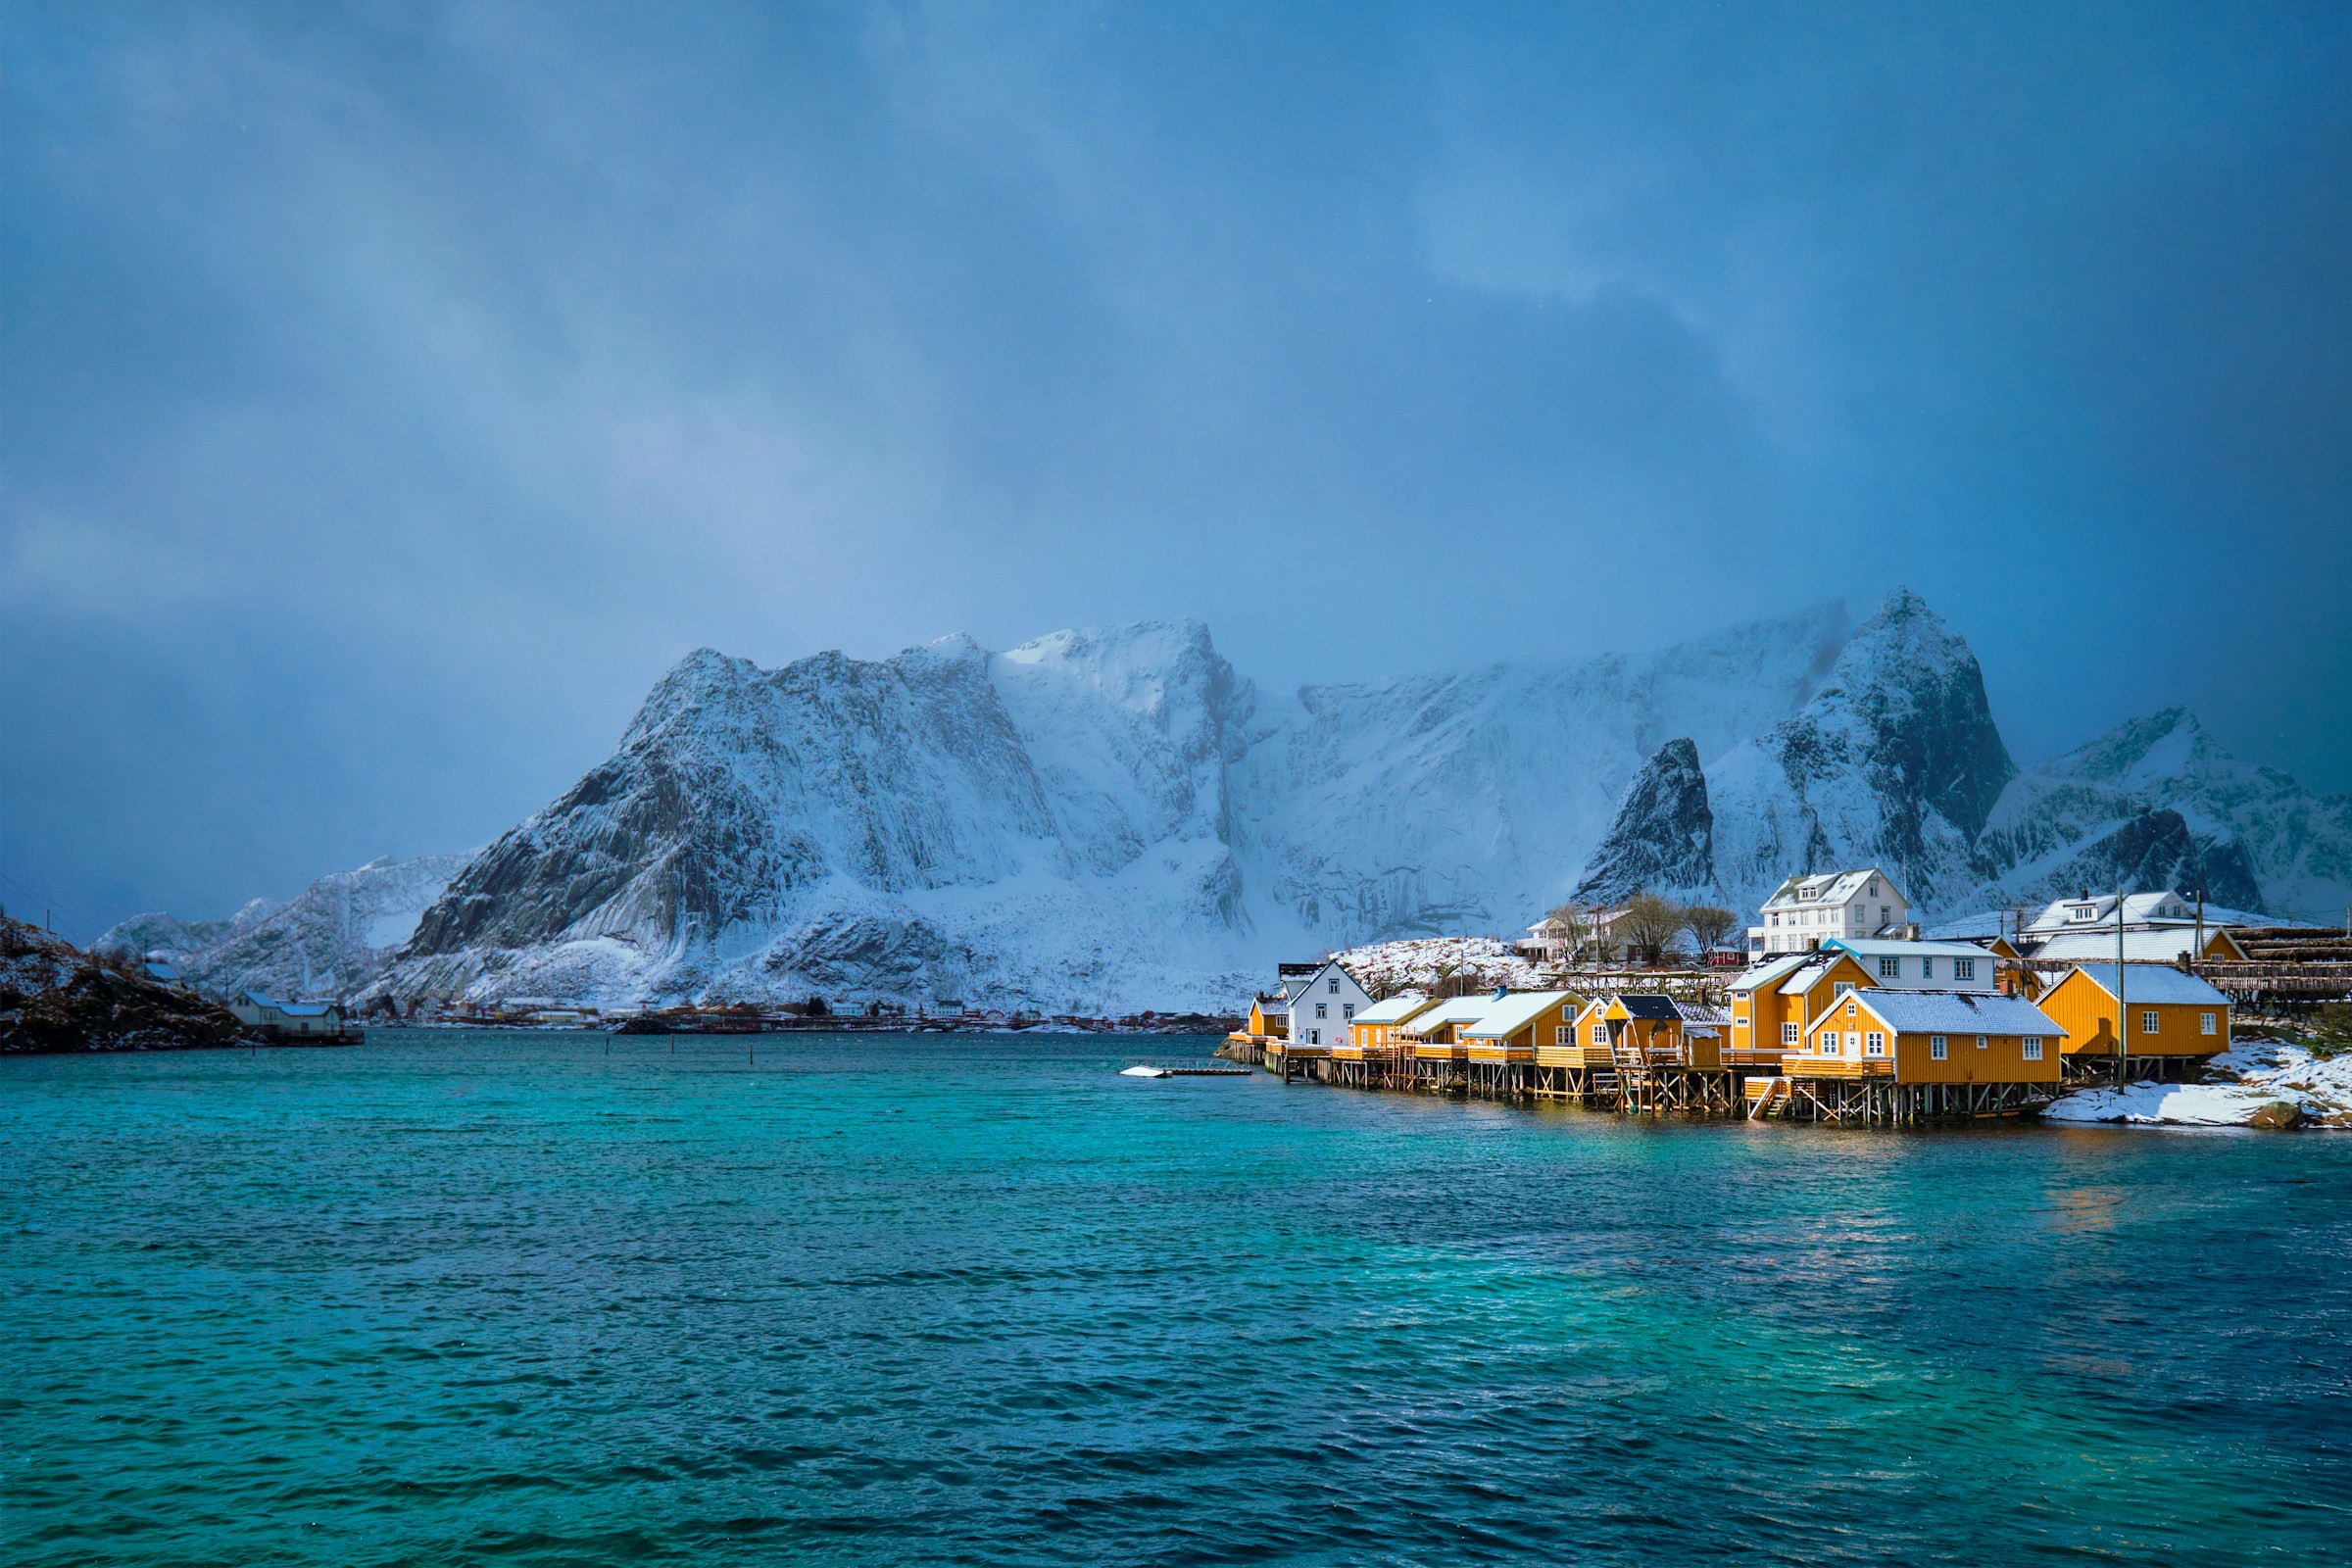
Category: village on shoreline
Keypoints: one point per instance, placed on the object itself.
(1839, 1008)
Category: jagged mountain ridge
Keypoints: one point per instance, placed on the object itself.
(331, 940)
(1106, 820)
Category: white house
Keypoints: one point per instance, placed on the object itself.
(258, 1012)
(1805, 912)
(1549, 941)
(1899, 965)
(1323, 1004)
(2143, 911)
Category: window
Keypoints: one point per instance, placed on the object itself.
(1926, 968)
(1889, 969)
(1601, 1034)
(1981, 1042)
(1314, 1037)
(1348, 1010)
(1873, 889)
(1877, 1044)
(1964, 968)
(1938, 1047)
(1334, 986)
(1322, 1011)
(2148, 1021)
(1788, 1034)
(1851, 1011)
(2081, 912)
(1566, 1036)
(1776, 919)
(1843, 987)
(1885, 915)
(2205, 1023)
(2032, 1047)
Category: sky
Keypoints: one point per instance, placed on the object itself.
(390, 392)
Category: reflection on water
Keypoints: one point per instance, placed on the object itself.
(459, 1297)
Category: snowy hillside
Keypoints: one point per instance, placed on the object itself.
(1104, 821)
(331, 941)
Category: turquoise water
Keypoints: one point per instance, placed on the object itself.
(510, 1299)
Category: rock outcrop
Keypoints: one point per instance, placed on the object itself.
(57, 1000)
(1663, 840)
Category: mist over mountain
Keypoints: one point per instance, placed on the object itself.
(1113, 819)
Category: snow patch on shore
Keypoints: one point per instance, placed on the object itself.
(2245, 1083)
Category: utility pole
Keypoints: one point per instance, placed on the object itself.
(2123, 1012)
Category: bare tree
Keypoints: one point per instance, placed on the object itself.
(1709, 924)
(1650, 923)
(1574, 927)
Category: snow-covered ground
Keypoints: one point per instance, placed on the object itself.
(2246, 1083)
(1386, 967)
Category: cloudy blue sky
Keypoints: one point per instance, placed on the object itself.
(388, 393)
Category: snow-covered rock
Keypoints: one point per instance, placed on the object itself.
(2249, 1085)
(1663, 840)
(1423, 963)
(329, 942)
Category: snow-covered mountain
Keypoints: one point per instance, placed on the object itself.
(331, 941)
(1093, 821)
(1106, 820)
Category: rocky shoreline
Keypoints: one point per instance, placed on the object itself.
(55, 999)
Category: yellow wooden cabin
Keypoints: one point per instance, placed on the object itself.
(1269, 1018)
(1436, 1034)
(2172, 1013)
(1929, 1037)
(1654, 1029)
(1775, 1003)
(1515, 1027)
(1373, 1031)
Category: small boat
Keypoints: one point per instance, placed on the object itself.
(1145, 1072)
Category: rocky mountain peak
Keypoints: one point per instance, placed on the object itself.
(1664, 837)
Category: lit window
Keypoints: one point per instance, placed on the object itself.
(1937, 1047)
(1877, 1044)
(2032, 1047)
(1889, 969)
(2205, 1023)
(1964, 968)
(2148, 1021)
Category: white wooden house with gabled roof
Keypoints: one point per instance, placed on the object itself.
(1805, 912)
(1323, 1004)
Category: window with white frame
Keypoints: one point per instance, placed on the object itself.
(1601, 1034)
(1314, 1037)
(2148, 1021)
(1788, 1034)
(1891, 968)
(2032, 1047)
(1566, 1035)
(1983, 1042)
(2205, 1024)
(1938, 1047)
(1964, 968)
(1842, 988)
(1876, 1045)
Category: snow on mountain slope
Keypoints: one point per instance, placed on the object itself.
(1469, 801)
(332, 940)
(2158, 801)
(1042, 827)
(1895, 761)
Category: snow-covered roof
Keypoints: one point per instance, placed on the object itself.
(1959, 1012)
(1982, 926)
(1886, 948)
(1394, 1011)
(1507, 1018)
(2163, 945)
(1461, 1010)
(2156, 983)
(1804, 980)
(1769, 973)
(1830, 887)
(2139, 909)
